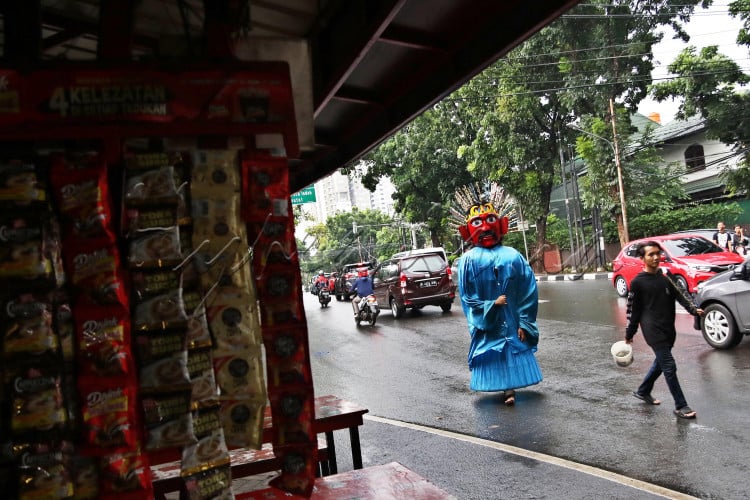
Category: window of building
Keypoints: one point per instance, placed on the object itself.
(695, 159)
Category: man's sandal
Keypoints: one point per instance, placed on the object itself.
(510, 397)
(685, 412)
(648, 398)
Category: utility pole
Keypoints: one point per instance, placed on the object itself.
(620, 184)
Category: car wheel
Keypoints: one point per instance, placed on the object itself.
(446, 307)
(621, 286)
(718, 327)
(682, 282)
(396, 310)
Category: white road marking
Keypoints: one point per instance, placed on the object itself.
(541, 457)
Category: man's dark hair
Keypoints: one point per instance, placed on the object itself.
(641, 250)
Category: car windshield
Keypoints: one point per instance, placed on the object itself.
(424, 264)
(684, 247)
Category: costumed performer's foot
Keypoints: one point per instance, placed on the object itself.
(510, 397)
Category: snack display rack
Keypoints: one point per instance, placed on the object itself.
(151, 291)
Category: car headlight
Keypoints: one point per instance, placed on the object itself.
(700, 286)
(700, 267)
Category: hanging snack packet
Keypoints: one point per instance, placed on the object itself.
(37, 402)
(164, 311)
(155, 249)
(108, 414)
(21, 184)
(298, 465)
(214, 173)
(165, 373)
(82, 193)
(45, 470)
(242, 421)
(210, 451)
(210, 484)
(93, 267)
(287, 359)
(233, 318)
(240, 373)
(202, 378)
(103, 334)
(28, 328)
(123, 473)
(30, 249)
(150, 187)
(168, 421)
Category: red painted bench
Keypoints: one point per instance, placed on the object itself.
(244, 462)
(331, 414)
(391, 481)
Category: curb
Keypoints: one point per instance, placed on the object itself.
(573, 277)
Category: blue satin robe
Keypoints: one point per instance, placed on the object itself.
(498, 359)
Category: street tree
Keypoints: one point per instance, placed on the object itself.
(422, 162)
(709, 84)
(593, 61)
(612, 45)
(354, 236)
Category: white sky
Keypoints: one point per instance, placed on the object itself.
(713, 26)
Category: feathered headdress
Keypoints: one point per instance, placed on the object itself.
(477, 198)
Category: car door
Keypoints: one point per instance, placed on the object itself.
(380, 283)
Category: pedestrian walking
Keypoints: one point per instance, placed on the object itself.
(498, 294)
(651, 304)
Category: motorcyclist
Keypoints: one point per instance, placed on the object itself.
(362, 287)
(320, 281)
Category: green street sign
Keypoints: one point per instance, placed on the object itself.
(304, 195)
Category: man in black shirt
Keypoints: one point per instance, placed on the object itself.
(651, 304)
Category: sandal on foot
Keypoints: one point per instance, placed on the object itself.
(685, 412)
(648, 398)
(510, 398)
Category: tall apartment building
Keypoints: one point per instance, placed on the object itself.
(338, 193)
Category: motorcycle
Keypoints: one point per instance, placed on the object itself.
(324, 297)
(368, 310)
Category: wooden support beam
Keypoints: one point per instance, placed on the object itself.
(116, 20)
(23, 31)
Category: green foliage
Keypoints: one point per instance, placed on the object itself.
(422, 162)
(709, 83)
(335, 243)
(681, 219)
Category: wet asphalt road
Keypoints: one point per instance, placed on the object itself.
(413, 371)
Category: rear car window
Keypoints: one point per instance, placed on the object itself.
(423, 264)
(690, 246)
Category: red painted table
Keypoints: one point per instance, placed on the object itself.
(380, 482)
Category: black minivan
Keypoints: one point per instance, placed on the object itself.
(414, 279)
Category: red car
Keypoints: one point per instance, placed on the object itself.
(689, 257)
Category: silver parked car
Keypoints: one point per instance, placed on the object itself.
(725, 299)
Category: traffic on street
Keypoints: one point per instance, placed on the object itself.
(578, 434)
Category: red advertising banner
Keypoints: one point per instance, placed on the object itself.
(86, 102)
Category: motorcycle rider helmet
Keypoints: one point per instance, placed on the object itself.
(362, 272)
(321, 273)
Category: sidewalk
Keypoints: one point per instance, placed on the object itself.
(604, 275)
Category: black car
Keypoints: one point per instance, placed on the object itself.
(725, 299)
